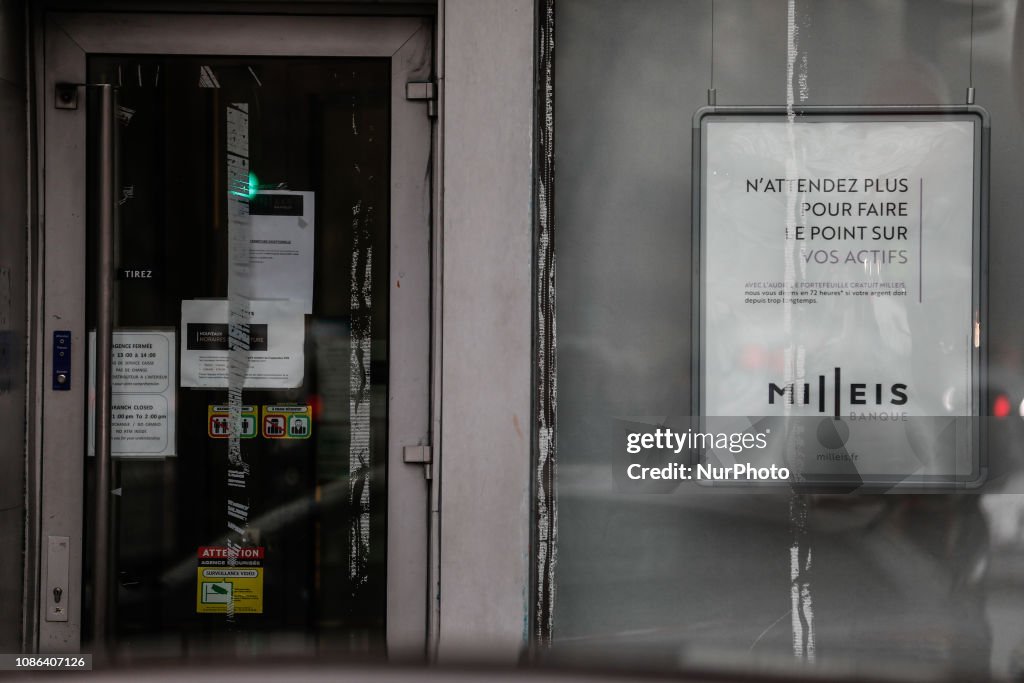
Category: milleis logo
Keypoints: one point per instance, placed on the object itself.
(835, 395)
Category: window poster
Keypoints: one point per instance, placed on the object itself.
(839, 297)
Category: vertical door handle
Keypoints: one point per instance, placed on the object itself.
(105, 203)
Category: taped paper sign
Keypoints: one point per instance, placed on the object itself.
(280, 234)
(221, 580)
(142, 410)
(276, 338)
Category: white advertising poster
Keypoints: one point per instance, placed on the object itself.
(839, 286)
(142, 410)
(274, 359)
(281, 246)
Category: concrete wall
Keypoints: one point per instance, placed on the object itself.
(486, 327)
(13, 178)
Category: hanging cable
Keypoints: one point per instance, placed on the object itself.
(970, 61)
(712, 94)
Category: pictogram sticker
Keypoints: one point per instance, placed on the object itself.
(218, 422)
(287, 422)
(274, 426)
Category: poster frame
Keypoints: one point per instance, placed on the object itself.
(979, 398)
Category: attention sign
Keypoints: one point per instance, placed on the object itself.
(225, 578)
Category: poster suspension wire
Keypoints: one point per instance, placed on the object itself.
(712, 93)
(970, 61)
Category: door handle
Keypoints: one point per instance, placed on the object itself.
(105, 202)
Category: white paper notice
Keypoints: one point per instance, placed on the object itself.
(142, 411)
(276, 338)
(281, 247)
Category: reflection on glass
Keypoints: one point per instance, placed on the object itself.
(723, 577)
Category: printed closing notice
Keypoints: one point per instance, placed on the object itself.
(276, 338)
(280, 233)
(142, 411)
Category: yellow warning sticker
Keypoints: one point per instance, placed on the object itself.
(223, 580)
(287, 422)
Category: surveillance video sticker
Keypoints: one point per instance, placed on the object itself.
(226, 576)
(269, 349)
(839, 291)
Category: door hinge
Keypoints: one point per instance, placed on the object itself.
(423, 90)
(416, 455)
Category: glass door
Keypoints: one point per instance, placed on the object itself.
(266, 366)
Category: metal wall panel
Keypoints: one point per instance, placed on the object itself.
(13, 178)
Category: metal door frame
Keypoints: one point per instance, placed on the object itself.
(59, 448)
